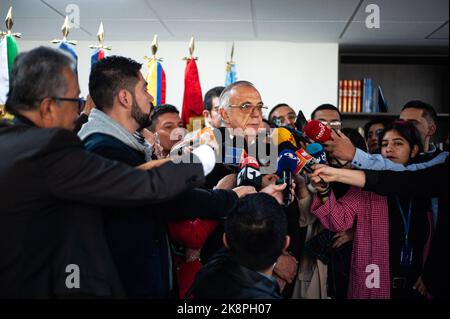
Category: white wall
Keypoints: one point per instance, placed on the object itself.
(303, 75)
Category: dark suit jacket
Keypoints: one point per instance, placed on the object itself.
(49, 185)
(224, 278)
(214, 241)
(138, 241)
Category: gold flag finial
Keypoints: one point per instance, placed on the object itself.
(191, 49)
(65, 29)
(231, 62)
(154, 48)
(191, 46)
(101, 39)
(9, 21)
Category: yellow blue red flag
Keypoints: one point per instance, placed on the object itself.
(156, 79)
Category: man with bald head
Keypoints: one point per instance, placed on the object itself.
(241, 107)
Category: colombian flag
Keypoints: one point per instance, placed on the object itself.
(99, 54)
(156, 81)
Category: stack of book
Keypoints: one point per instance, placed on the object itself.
(357, 96)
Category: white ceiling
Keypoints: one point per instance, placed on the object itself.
(403, 22)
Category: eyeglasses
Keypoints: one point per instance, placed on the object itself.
(333, 124)
(248, 108)
(81, 102)
(281, 119)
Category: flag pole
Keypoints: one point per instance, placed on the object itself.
(9, 22)
(230, 76)
(232, 54)
(191, 48)
(156, 77)
(192, 108)
(11, 52)
(101, 39)
(100, 48)
(154, 48)
(65, 29)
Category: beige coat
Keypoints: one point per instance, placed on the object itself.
(311, 281)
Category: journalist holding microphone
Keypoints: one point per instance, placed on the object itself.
(399, 142)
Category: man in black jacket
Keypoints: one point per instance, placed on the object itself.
(50, 234)
(255, 235)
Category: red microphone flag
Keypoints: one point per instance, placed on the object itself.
(192, 100)
(317, 131)
(249, 161)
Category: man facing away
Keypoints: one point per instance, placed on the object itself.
(255, 235)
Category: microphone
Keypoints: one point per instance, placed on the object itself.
(287, 164)
(316, 150)
(297, 136)
(300, 122)
(305, 161)
(284, 139)
(249, 174)
(317, 131)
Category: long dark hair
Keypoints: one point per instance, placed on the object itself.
(406, 130)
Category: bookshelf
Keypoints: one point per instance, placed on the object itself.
(402, 77)
(357, 120)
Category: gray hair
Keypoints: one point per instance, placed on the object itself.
(35, 75)
(224, 99)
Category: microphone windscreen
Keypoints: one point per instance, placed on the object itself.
(281, 135)
(249, 161)
(287, 161)
(305, 160)
(317, 131)
(316, 150)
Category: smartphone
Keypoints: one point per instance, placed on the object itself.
(301, 121)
